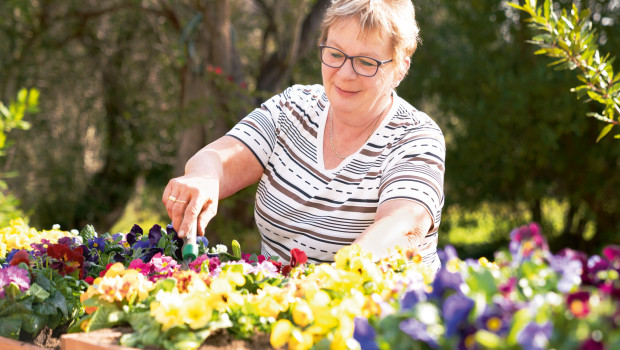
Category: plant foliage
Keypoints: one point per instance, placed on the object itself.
(568, 37)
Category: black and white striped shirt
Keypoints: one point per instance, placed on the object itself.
(300, 204)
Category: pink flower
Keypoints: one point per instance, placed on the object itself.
(140, 266)
(16, 275)
(163, 264)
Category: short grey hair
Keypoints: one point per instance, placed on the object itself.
(394, 18)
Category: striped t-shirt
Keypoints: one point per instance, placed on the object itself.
(300, 204)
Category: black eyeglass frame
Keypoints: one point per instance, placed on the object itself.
(347, 57)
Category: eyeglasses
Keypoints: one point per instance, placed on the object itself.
(362, 65)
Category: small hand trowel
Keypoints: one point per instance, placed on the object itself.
(190, 248)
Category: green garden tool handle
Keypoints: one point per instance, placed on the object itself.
(190, 248)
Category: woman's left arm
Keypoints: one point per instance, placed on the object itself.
(398, 222)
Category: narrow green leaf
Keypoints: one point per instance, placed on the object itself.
(22, 95)
(604, 132)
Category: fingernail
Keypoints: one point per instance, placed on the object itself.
(181, 233)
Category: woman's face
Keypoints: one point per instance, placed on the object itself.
(348, 92)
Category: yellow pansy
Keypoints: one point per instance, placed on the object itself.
(280, 333)
(302, 313)
(167, 310)
(267, 306)
(325, 318)
(19, 236)
(342, 334)
(197, 312)
(300, 340)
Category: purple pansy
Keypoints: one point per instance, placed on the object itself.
(535, 336)
(154, 235)
(134, 234)
(364, 333)
(525, 239)
(445, 280)
(455, 310)
(418, 331)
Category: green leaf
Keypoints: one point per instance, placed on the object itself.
(38, 292)
(489, 340)
(88, 232)
(10, 326)
(604, 132)
(33, 98)
(104, 318)
(33, 323)
(4, 112)
(59, 302)
(43, 281)
(12, 291)
(236, 249)
(482, 280)
(596, 97)
(22, 95)
(44, 308)
(520, 319)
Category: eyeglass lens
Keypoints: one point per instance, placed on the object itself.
(361, 65)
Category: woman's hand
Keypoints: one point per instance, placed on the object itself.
(191, 199)
(216, 171)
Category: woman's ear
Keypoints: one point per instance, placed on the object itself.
(402, 71)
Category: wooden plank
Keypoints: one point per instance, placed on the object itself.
(103, 339)
(12, 344)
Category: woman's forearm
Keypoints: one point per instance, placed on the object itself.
(401, 224)
(228, 160)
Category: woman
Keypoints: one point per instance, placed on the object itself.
(344, 162)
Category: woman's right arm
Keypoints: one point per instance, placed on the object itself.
(217, 171)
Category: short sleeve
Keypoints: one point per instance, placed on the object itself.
(416, 169)
(258, 129)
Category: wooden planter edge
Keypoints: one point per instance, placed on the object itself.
(12, 344)
(104, 339)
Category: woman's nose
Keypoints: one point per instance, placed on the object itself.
(347, 69)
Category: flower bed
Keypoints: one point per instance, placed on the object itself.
(526, 297)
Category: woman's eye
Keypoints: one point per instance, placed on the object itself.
(367, 62)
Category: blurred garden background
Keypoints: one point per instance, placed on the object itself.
(119, 94)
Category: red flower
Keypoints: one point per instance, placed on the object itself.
(19, 257)
(277, 264)
(298, 257)
(67, 260)
(89, 279)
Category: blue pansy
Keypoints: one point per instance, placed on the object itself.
(97, 243)
(364, 333)
(445, 280)
(455, 310)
